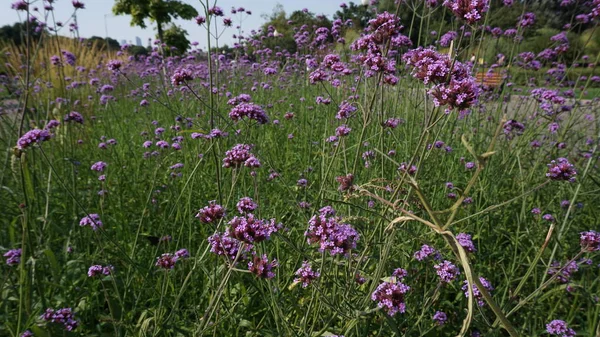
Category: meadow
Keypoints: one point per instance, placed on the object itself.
(352, 188)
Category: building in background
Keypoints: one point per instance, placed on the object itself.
(138, 41)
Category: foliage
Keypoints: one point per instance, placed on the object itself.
(159, 11)
(175, 38)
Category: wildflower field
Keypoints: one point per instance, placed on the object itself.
(374, 184)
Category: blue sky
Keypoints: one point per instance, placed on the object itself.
(97, 19)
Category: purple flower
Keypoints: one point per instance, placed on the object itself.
(200, 20)
(166, 261)
(13, 257)
(548, 217)
(392, 123)
(390, 297)
(559, 328)
(211, 213)
(469, 10)
(399, 273)
(224, 245)
(99, 166)
(465, 241)
(447, 271)
(261, 267)
(240, 155)
(342, 130)
(97, 269)
(527, 19)
(246, 205)
(251, 230)
(561, 169)
(345, 111)
(74, 116)
(440, 318)
(182, 254)
(476, 293)
(564, 275)
(114, 65)
(306, 275)
(345, 182)
(92, 220)
(589, 241)
(181, 75)
(78, 4)
(249, 110)
(33, 136)
(327, 230)
(425, 252)
(512, 127)
(20, 5)
(64, 316)
(27, 333)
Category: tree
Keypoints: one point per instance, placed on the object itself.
(17, 32)
(111, 44)
(360, 15)
(159, 11)
(175, 36)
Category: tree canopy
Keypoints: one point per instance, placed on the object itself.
(159, 11)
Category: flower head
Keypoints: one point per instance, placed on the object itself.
(33, 136)
(13, 257)
(561, 169)
(211, 213)
(306, 275)
(559, 328)
(390, 296)
(92, 220)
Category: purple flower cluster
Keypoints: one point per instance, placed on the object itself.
(211, 213)
(425, 252)
(249, 110)
(181, 76)
(465, 241)
(74, 116)
(327, 230)
(440, 318)
(476, 293)
(168, 260)
(99, 166)
(589, 241)
(97, 269)
(262, 267)
(64, 316)
(246, 205)
(469, 10)
(390, 296)
(563, 275)
(33, 136)
(527, 19)
(13, 257)
(251, 230)
(460, 94)
(92, 220)
(224, 245)
(114, 65)
(345, 182)
(447, 271)
(512, 128)
(240, 155)
(561, 169)
(306, 274)
(559, 328)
